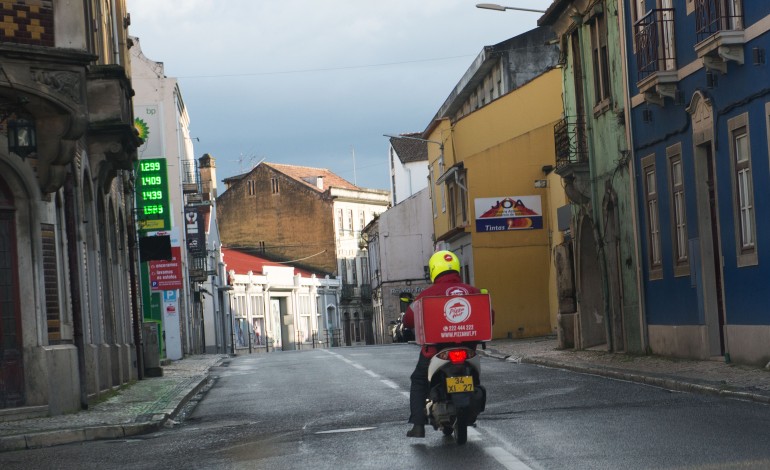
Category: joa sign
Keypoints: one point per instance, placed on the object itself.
(152, 204)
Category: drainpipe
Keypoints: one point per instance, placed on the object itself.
(133, 246)
(73, 266)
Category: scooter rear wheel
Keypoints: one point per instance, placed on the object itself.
(461, 428)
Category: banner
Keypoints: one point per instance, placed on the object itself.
(501, 214)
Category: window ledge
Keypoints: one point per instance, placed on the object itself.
(602, 107)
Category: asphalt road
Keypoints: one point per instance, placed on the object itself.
(346, 408)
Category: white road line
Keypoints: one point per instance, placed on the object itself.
(506, 459)
(473, 434)
(390, 384)
(406, 394)
(334, 431)
(357, 366)
(376, 376)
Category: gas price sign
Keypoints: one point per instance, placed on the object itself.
(152, 205)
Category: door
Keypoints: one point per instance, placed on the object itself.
(11, 366)
(667, 30)
(274, 338)
(712, 289)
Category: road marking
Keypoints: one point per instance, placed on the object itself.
(390, 384)
(334, 431)
(473, 434)
(506, 459)
(357, 366)
(372, 374)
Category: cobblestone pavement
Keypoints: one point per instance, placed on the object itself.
(149, 404)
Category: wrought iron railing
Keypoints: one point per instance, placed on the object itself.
(713, 16)
(654, 39)
(348, 291)
(570, 141)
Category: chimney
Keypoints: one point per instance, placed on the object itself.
(208, 171)
(319, 182)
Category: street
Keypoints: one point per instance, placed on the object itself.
(347, 408)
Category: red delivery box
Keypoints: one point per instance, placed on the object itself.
(452, 319)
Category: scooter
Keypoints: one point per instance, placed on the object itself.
(456, 395)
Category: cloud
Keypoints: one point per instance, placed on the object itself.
(310, 80)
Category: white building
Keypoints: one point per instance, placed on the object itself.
(400, 242)
(408, 156)
(163, 122)
(277, 306)
(354, 209)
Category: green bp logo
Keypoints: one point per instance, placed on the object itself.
(142, 128)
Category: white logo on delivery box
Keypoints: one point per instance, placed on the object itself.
(457, 310)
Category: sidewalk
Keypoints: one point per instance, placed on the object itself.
(152, 403)
(140, 408)
(684, 375)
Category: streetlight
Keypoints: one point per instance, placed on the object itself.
(440, 144)
(495, 6)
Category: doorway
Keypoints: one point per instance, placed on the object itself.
(11, 365)
(711, 247)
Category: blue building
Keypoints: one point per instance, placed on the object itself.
(699, 90)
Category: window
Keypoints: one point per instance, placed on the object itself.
(344, 271)
(354, 277)
(743, 191)
(274, 184)
(258, 319)
(305, 324)
(678, 213)
(350, 222)
(601, 59)
(651, 217)
(251, 187)
(458, 212)
(361, 219)
(365, 279)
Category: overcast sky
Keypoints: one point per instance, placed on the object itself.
(316, 83)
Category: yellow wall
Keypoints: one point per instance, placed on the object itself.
(504, 147)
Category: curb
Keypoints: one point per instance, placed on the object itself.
(41, 439)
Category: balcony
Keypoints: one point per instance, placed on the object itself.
(656, 55)
(198, 269)
(348, 292)
(572, 157)
(719, 30)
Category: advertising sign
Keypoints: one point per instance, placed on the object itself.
(152, 200)
(167, 275)
(196, 234)
(501, 214)
(148, 124)
(452, 319)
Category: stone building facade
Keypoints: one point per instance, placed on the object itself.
(69, 328)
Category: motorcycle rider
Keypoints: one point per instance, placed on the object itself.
(444, 267)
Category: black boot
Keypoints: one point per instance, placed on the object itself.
(418, 430)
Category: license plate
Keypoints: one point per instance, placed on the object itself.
(459, 384)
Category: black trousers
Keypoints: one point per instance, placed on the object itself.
(418, 391)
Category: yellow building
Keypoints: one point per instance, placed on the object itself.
(495, 199)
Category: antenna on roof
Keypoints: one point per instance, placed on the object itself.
(354, 165)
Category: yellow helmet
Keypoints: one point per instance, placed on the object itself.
(441, 262)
